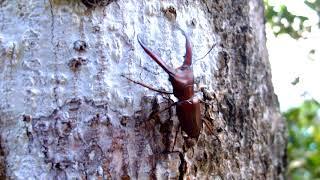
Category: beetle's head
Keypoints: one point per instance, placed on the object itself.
(182, 82)
(180, 78)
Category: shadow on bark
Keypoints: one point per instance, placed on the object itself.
(2, 161)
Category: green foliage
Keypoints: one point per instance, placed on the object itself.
(315, 5)
(283, 21)
(304, 141)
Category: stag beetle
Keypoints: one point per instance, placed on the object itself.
(182, 80)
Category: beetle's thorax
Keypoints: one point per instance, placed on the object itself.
(182, 82)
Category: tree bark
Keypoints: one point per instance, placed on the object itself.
(67, 113)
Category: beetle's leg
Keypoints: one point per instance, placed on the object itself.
(147, 86)
(209, 126)
(173, 104)
(206, 122)
(202, 101)
(175, 138)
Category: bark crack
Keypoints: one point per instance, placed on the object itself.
(55, 93)
(2, 15)
(2, 161)
(181, 166)
(102, 59)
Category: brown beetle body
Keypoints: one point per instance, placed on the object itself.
(189, 115)
(182, 80)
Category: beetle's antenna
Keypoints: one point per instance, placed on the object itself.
(207, 52)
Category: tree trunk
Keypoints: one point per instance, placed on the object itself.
(67, 113)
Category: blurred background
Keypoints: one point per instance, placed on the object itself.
(293, 41)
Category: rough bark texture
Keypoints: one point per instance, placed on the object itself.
(66, 113)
